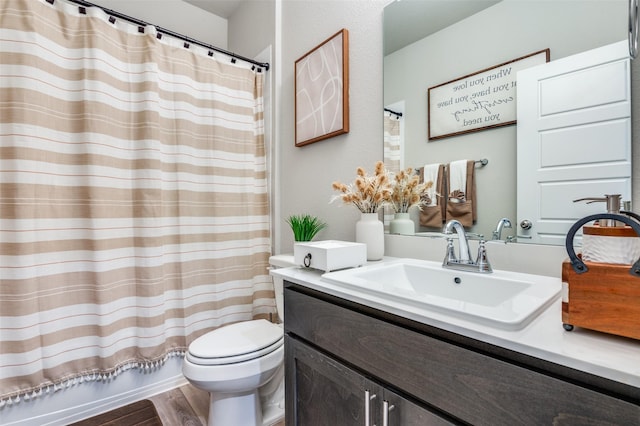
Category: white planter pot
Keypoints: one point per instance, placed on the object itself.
(401, 224)
(370, 231)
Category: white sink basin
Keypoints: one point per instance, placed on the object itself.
(501, 299)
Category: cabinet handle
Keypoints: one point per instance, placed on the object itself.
(368, 397)
(385, 412)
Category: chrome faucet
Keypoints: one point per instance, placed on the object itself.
(464, 262)
(463, 243)
(502, 223)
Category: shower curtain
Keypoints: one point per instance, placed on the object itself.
(134, 211)
(392, 143)
(391, 155)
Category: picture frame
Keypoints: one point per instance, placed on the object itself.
(483, 100)
(322, 91)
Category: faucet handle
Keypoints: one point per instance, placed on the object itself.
(483, 260)
(450, 256)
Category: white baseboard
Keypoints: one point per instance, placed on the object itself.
(89, 399)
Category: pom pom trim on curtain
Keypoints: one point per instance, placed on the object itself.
(147, 366)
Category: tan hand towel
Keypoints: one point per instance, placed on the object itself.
(433, 213)
(461, 200)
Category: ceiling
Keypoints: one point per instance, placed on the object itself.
(222, 8)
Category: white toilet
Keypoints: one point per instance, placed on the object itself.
(241, 366)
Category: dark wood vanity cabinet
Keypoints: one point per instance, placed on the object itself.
(344, 360)
(328, 393)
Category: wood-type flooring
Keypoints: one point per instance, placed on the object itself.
(183, 406)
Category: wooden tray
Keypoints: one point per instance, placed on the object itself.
(605, 298)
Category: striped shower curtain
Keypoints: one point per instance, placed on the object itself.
(392, 143)
(134, 210)
(391, 155)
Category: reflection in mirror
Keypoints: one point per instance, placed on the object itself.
(456, 41)
(393, 139)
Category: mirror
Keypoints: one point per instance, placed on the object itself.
(458, 38)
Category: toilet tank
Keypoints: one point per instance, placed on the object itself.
(280, 261)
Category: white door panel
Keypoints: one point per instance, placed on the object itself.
(557, 213)
(574, 139)
(582, 172)
(554, 204)
(588, 139)
(575, 118)
(576, 90)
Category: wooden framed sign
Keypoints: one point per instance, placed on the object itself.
(478, 101)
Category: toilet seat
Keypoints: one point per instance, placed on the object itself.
(235, 343)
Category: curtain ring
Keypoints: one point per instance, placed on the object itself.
(307, 260)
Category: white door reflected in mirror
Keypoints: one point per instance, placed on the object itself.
(574, 139)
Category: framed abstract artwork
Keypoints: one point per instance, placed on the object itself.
(322, 91)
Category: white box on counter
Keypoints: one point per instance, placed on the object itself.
(329, 255)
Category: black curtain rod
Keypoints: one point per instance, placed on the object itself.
(398, 114)
(142, 23)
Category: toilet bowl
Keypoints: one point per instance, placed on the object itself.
(241, 365)
(231, 363)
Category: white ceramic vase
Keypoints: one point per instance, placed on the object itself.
(401, 224)
(370, 231)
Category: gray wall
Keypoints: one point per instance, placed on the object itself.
(501, 33)
(252, 27)
(307, 172)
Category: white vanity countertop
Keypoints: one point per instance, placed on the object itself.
(612, 357)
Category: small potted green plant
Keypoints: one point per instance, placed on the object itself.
(305, 226)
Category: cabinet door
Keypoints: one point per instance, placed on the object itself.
(322, 392)
(401, 411)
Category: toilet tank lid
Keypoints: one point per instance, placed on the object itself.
(236, 339)
(282, 260)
